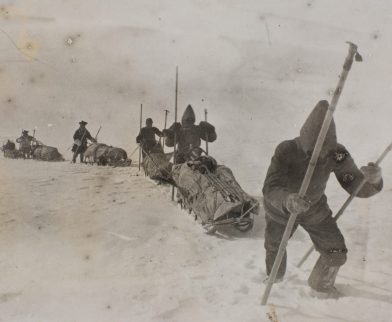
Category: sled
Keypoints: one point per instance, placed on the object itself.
(213, 195)
(102, 154)
(156, 164)
(43, 152)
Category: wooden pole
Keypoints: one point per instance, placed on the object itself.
(140, 127)
(166, 112)
(309, 172)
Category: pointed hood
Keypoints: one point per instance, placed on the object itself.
(189, 117)
(311, 129)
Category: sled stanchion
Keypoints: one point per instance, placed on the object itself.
(347, 202)
(96, 135)
(140, 127)
(175, 121)
(312, 164)
(164, 127)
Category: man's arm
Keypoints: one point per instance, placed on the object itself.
(207, 131)
(157, 132)
(275, 189)
(89, 137)
(169, 133)
(139, 138)
(349, 176)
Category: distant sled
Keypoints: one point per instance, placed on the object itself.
(39, 151)
(102, 154)
(44, 152)
(10, 151)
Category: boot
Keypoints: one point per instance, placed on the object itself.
(323, 276)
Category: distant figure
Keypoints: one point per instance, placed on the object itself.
(25, 144)
(80, 141)
(189, 135)
(146, 137)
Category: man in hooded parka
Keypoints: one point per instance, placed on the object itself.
(189, 135)
(282, 183)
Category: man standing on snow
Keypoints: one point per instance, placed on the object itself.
(284, 178)
(189, 135)
(80, 141)
(146, 137)
(25, 144)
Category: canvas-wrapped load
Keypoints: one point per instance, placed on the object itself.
(213, 194)
(12, 154)
(156, 164)
(103, 154)
(10, 151)
(95, 152)
(46, 153)
(117, 157)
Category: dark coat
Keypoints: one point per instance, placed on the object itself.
(190, 136)
(83, 135)
(147, 135)
(287, 170)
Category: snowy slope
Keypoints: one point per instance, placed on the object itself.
(82, 243)
(98, 244)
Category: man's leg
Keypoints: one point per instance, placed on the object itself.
(329, 242)
(273, 236)
(81, 157)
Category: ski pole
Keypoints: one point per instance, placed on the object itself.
(132, 153)
(312, 164)
(164, 141)
(347, 202)
(96, 136)
(160, 139)
(175, 121)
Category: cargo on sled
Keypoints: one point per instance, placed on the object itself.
(212, 193)
(102, 154)
(44, 152)
(156, 163)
